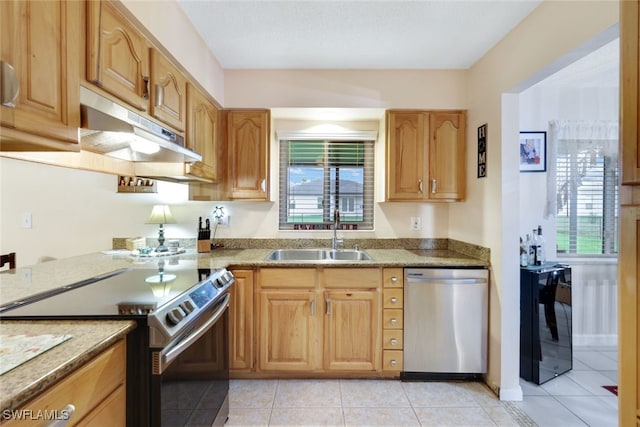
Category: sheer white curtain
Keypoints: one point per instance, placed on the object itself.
(591, 137)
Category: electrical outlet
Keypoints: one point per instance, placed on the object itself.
(223, 222)
(26, 220)
(416, 223)
(25, 274)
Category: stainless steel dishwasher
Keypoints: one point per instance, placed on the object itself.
(445, 323)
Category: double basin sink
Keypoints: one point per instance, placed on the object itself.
(316, 255)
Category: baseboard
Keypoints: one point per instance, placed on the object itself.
(604, 340)
(511, 394)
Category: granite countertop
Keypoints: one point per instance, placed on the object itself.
(24, 282)
(89, 338)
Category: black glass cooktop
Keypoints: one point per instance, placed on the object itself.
(131, 292)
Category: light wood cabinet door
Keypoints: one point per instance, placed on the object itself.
(290, 327)
(447, 156)
(168, 92)
(248, 145)
(117, 55)
(352, 330)
(40, 54)
(202, 134)
(629, 250)
(630, 91)
(407, 136)
(97, 390)
(241, 321)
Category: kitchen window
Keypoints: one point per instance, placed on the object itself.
(586, 174)
(319, 176)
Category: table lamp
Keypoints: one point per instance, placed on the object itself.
(161, 215)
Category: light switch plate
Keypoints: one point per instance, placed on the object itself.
(26, 220)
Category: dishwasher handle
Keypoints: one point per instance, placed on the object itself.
(419, 277)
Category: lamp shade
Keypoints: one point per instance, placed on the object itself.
(161, 215)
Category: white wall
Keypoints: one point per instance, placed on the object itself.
(75, 212)
(538, 106)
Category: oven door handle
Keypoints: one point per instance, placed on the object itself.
(174, 352)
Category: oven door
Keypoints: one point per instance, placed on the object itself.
(190, 381)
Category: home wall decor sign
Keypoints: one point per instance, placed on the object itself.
(482, 151)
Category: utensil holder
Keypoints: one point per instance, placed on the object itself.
(204, 246)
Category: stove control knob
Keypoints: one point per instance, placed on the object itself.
(218, 283)
(187, 306)
(175, 316)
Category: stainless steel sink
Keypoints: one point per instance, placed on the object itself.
(348, 255)
(326, 255)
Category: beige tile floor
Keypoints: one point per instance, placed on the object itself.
(368, 403)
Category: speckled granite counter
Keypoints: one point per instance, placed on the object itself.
(89, 339)
(31, 280)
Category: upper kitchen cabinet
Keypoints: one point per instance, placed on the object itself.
(202, 134)
(248, 145)
(117, 55)
(40, 67)
(447, 155)
(169, 92)
(425, 155)
(407, 136)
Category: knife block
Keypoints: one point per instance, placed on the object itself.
(204, 246)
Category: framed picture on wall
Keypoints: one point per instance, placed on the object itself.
(533, 151)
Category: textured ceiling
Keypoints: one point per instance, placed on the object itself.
(353, 34)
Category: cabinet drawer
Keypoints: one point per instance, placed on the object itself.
(392, 339)
(300, 278)
(92, 385)
(350, 278)
(392, 298)
(392, 318)
(392, 277)
(392, 360)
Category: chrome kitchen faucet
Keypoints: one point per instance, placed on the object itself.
(336, 222)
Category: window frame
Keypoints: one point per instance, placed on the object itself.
(329, 172)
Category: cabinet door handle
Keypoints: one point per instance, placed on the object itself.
(394, 279)
(394, 341)
(263, 185)
(328, 307)
(313, 307)
(159, 95)
(145, 94)
(420, 188)
(10, 84)
(394, 300)
(394, 322)
(67, 413)
(433, 186)
(393, 363)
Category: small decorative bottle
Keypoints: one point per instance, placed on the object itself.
(524, 254)
(543, 254)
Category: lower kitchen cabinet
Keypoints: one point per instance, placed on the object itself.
(393, 316)
(97, 390)
(318, 327)
(289, 331)
(241, 322)
(351, 334)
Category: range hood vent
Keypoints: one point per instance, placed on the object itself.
(111, 129)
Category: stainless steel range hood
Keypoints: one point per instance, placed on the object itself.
(111, 129)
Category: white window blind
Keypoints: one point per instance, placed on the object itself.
(317, 177)
(586, 195)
